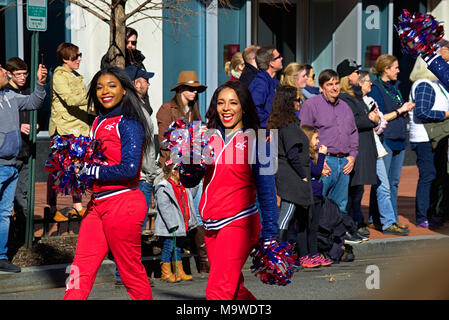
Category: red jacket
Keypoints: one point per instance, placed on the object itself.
(122, 146)
(229, 187)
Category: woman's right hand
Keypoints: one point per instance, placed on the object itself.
(406, 107)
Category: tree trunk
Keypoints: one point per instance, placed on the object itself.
(117, 44)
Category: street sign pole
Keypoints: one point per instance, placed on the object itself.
(36, 22)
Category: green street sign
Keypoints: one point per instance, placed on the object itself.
(37, 15)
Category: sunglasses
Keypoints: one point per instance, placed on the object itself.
(278, 57)
(313, 76)
(78, 55)
(299, 100)
(132, 42)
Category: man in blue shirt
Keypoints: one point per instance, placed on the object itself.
(263, 87)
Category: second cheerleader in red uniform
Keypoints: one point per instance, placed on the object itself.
(231, 183)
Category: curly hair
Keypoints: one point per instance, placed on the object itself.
(250, 117)
(283, 108)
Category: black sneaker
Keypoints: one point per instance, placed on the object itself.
(361, 236)
(7, 266)
(352, 238)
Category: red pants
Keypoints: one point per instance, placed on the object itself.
(227, 250)
(113, 223)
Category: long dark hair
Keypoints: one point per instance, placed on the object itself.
(250, 117)
(193, 105)
(283, 107)
(132, 106)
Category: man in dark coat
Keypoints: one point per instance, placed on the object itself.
(250, 70)
(365, 165)
(132, 55)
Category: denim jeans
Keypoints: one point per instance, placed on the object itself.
(168, 250)
(8, 182)
(380, 207)
(393, 164)
(147, 190)
(336, 185)
(427, 175)
(196, 202)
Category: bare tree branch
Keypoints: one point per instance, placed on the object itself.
(137, 9)
(90, 10)
(106, 14)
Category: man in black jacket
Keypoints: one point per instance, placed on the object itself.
(250, 70)
(132, 55)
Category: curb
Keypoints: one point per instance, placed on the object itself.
(54, 276)
(388, 246)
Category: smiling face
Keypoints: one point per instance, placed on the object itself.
(311, 78)
(365, 84)
(331, 89)
(229, 109)
(110, 91)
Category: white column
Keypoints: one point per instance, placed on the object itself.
(390, 26)
(211, 49)
(248, 24)
(20, 45)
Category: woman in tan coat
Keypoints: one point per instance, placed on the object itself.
(184, 104)
(69, 115)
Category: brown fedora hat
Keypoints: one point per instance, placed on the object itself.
(190, 79)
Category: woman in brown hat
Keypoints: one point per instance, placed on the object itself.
(184, 104)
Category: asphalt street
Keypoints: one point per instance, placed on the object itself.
(364, 278)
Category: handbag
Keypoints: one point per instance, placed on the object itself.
(437, 131)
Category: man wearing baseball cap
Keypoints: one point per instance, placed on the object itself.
(348, 68)
(140, 78)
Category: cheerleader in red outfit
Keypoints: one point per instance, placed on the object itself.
(115, 214)
(231, 183)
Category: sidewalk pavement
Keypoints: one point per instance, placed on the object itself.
(378, 245)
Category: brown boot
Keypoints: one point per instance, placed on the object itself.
(179, 271)
(201, 249)
(167, 275)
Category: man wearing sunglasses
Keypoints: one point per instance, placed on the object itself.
(263, 87)
(132, 55)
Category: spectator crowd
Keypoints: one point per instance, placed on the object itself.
(335, 132)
